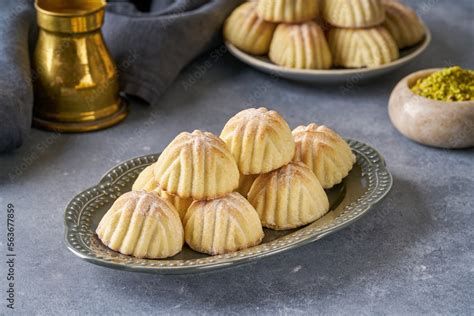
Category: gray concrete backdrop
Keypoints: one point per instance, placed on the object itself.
(413, 254)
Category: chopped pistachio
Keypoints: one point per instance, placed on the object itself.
(449, 84)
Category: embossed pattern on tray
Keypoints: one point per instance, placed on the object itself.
(366, 185)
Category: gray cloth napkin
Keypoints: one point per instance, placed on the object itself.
(16, 91)
(150, 49)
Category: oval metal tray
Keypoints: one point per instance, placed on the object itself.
(367, 183)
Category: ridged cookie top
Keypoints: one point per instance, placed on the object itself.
(353, 13)
(324, 152)
(197, 165)
(288, 197)
(222, 225)
(357, 48)
(247, 31)
(146, 181)
(260, 140)
(301, 46)
(143, 225)
(403, 24)
(288, 11)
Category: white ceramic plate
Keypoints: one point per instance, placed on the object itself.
(264, 64)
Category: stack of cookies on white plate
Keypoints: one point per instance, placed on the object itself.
(217, 193)
(359, 33)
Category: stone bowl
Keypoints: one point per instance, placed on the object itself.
(431, 122)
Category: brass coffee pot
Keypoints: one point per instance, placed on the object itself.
(75, 79)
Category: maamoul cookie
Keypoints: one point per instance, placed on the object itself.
(403, 24)
(357, 48)
(197, 165)
(353, 13)
(260, 140)
(247, 31)
(222, 225)
(288, 197)
(288, 11)
(301, 46)
(146, 181)
(245, 183)
(324, 152)
(143, 225)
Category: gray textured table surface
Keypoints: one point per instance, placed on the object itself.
(412, 254)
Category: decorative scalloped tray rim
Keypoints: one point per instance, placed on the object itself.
(217, 262)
